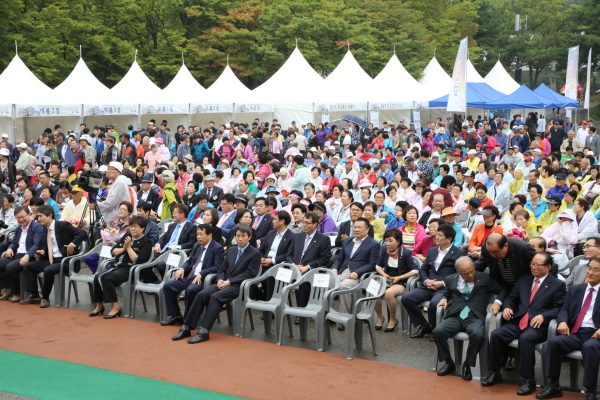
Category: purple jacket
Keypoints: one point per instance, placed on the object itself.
(321, 136)
(327, 225)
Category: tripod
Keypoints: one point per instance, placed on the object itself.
(95, 217)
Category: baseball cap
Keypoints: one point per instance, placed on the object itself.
(553, 200)
(319, 205)
(4, 152)
(5, 135)
(116, 165)
(474, 202)
(408, 159)
(349, 162)
(22, 145)
(486, 213)
(469, 173)
(472, 152)
(527, 159)
(457, 153)
(242, 199)
(561, 176)
(147, 178)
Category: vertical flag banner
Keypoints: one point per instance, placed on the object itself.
(586, 101)
(417, 120)
(457, 99)
(374, 118)
(571, 83)
(324, 118)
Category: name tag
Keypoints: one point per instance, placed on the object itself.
(173, 260)
(373, 287)
(321, 280)
(106, 252)
(284, 275)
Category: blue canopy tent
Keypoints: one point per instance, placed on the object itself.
(478, 95)
(559, 101)
(523, 97)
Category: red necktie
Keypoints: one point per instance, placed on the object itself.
(525, 319)
(256, 222)
(583, 311)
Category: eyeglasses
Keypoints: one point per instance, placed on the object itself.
(534, 264)
(587, 246)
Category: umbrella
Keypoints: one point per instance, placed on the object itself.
(354, 120)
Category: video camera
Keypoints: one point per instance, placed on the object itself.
(90, 181)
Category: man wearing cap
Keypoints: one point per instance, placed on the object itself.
(384, 170)
(472, 161)
(472, 138)
(9, 145)
(214, 193)
(518, 139)
(89, 152)
(74, 207)
(349, 172)
(26, 161)
(582, 132)
(561, 187)
(527, 165)
(510, 157)
(119, 192)
(147, 194)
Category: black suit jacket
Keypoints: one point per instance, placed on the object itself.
(572, 304)
(362, 261)
(213, 259)
(477, 301)
(187, 237)
(344, 229)
(406, 263)
(547, 300)
(427, 270)
(519, 254)
(318, 252)
(265, 225)
(65, 234)
(283, 248)
(215, 196)
(153, 198)
(247, 266)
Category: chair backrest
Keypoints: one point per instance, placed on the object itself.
(332, 236)
(321, 280)
(367, 294)
(103, 250)
(284, 275)
(173, 258)
(164, 225)
(418, 262)
(335, 251)
(504, 203)
(462, 217)
(571, 264)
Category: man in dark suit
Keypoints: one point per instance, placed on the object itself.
(507, 258)
(263, 221)
(227, 215)
(181, 235)
(241, 262)
(533, 302)
(146, 193)
(311, 249)
(466, 297)
(152, 231)
(345, 229)
(578, 329)
(275, 246)
(64, 240)
(358, 256)
(28, 239)
(214, 193)
(206, 258)
(44, 180)
(438, 264)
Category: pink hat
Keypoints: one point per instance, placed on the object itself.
(159, 140)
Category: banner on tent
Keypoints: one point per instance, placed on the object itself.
(211, 108)
(110, 109)
(421, 105)
(253, 108)
(417, 119)
(5, 110)
(402, 105)
(164, 108)
(54, 110)
(324, 118)
(457, 99)
(572, 66)
(332, 107)
(374, 116)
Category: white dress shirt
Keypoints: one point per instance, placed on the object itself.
(275, 244)
(460, 284)
(22, 249)
(356, 245)
(55, 250)
(440, 257)
(588, 322)
(199, 266)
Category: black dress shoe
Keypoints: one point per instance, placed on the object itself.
(341, 327)
(527, 388)
(550, 392)
(117, 314)
(447, 369)
(422, 330)
(492, 379)
(182, 334)
(176, 320)
(466, 372)
(95, 314)
(590, 396)
(511, 364)
(199, 338)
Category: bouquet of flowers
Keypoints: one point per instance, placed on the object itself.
(517, 233)
(111, 234)
(73, 221)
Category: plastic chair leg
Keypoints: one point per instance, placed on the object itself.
(303, 327)
(73, 285)
(280, 331)
(350, 329)
(144, 301)
(373, 337)
(358, 334)
(134, 304)
(320, 323)
(289, 320)
(267, 321)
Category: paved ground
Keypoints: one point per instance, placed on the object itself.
(8, 396)
(394, 347)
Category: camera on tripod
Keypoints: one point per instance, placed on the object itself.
(90, 181)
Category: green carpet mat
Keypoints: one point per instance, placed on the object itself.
(48, 379)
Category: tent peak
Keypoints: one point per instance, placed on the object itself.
(16, 48)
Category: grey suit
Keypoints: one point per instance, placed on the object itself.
(593, 142)
(577, 276)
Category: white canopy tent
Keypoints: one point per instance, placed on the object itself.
(291, 90)
(345, 91)
(472, 74)
(501, 80)
(438, 82)
(183, 89)
(395, 92)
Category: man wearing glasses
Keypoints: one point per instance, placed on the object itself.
(528, 309)
(591, 250)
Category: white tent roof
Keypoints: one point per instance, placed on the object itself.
(472, 74)
(134, 88)
(435, 79)
(80, 87)
(395, 84)
(347, 83)
(227, 89)
(184, 88)
(295, 77)
(20, 86)
(501, 80)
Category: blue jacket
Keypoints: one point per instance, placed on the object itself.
(199, 151)
(152, 232)
(390, 212)
(34, 241)
(228, 225)
(362, 261)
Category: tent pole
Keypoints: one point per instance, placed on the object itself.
(14, 123)
(189, 115)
